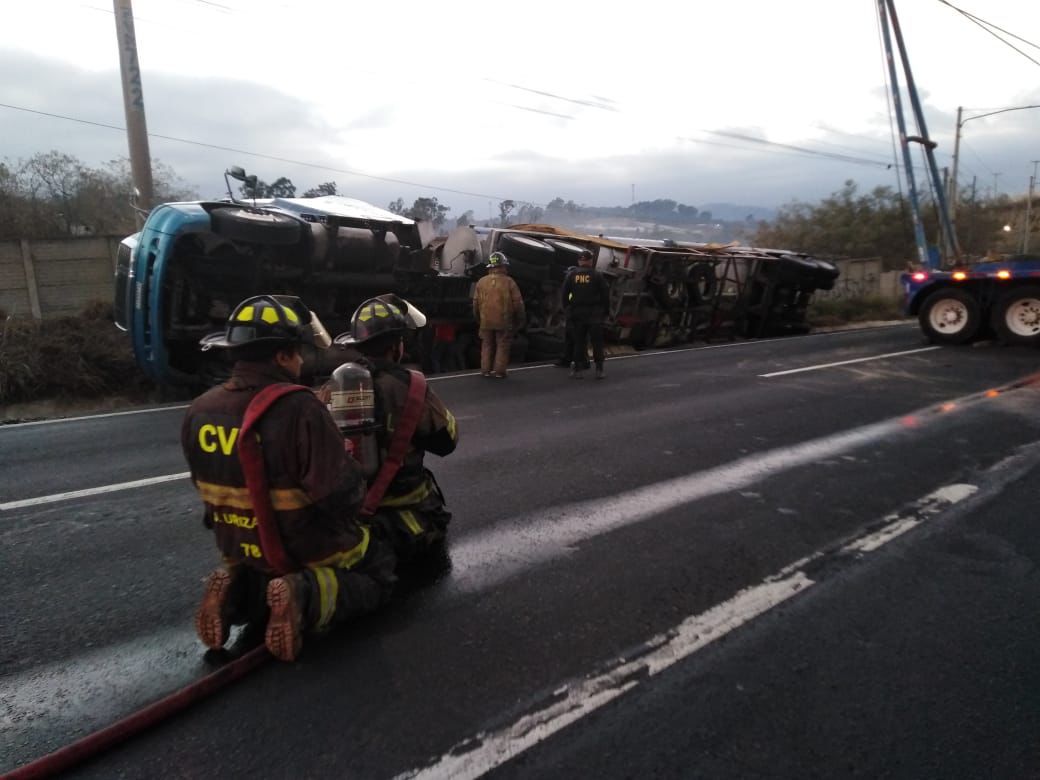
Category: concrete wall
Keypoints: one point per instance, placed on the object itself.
(52, 278)
(863, 279)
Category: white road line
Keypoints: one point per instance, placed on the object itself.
(91, 491)
(476, 756)
(94, 416)
(446, 377)
(847, 362)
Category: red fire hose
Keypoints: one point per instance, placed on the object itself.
(92, 744)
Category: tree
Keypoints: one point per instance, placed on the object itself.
(504, 209)
(845, 224)
(529, 214)
(326, 188)
(279, 188)
(467, 218)
(428, 209)
(396, 206)
(52, 194)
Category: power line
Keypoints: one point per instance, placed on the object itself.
(262, 156)
(986, 25)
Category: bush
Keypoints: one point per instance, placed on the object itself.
(65, 358)
(827, 312)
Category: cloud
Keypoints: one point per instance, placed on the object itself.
(284, 130)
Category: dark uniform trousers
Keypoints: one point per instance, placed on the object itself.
(586, 324)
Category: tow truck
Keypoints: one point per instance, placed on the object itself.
(1000, 297)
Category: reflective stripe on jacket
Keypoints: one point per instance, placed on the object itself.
(315, 487)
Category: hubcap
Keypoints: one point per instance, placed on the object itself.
(1023, 317)
(948, 316)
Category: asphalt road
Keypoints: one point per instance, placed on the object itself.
(809, 557)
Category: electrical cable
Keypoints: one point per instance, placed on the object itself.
(986, 25)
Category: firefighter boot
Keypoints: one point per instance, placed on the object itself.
(287, 599)
(211, 620)
(599, 371)
(576, 372)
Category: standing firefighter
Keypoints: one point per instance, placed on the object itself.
(498, 309)
(586, 298)
(280, 492)
(403, 503)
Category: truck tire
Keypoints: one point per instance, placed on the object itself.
(255, 226)
(701, 282)
(1016, 316)
(525, 249)
(950, 316)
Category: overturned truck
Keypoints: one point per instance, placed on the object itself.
(178, 279)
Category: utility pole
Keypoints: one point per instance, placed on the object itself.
(1029, 206)
(133, 104)
(995, 175)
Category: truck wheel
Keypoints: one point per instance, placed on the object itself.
(701, 282)
(254, 226)
(1016, 317)
(950, 316)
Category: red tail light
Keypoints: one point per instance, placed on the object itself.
(920, 276)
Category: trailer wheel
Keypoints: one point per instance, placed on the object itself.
(950, 316)
(254, 226)
(701, 282)
(1016, 317)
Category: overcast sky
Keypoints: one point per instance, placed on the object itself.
(592, 102)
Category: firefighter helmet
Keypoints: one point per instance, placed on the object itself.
(497, 260)
(271, 319)
(377, 316)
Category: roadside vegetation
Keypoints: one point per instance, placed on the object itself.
(68, 358)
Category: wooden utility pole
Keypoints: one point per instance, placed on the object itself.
(133, 104)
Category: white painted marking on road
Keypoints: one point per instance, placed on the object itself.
(460, 375)
(847, 362)
(518, 543)
(92, 491)
(100, 416)
(929, 505)
(571, 702)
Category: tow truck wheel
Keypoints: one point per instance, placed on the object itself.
(255, 226)
(950, 316)
(1016, 317)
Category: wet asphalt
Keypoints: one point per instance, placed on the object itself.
(590, 518)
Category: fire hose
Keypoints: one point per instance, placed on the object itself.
(92, 744)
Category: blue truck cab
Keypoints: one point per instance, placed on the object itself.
(179, 278)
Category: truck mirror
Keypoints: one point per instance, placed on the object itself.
(237, 173)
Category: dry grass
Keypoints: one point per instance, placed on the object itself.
(78, 357)
(828, 313)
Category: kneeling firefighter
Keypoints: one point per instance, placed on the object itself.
(407, 420)
(280, 493)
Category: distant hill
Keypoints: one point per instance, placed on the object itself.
(730, 212)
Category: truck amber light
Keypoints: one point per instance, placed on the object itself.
(1003, 274)
(959, 276)
(920, 276)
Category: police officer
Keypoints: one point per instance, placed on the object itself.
(498, 309)
(586, 299)
(410, 513)
(279, 491)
